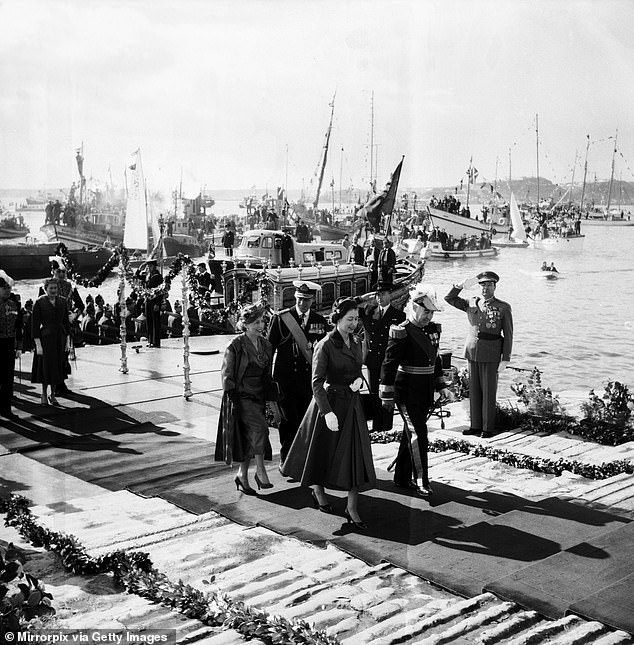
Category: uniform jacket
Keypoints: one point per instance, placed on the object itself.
(377, 330)
(412, 349)
(334, 364)
(292, 371)
(490, 335)
(11, 320)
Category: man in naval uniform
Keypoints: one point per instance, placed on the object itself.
(411, 373)
(377, 319)
(293, 333)
(487, 347)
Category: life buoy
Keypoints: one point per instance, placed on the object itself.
(494, 231)
(446, 255)
(502, 221)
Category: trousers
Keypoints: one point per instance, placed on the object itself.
(411, 461)
(483, 385)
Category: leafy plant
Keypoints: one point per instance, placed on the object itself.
(22, 596)
(535, 397)
(615, 406)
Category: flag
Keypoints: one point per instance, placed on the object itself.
(382, 203)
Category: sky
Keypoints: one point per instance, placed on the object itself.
(237, 93)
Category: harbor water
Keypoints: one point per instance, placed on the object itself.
(578, 330)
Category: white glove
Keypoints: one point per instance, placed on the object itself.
(502, 366)
(355, 386)
(469, 282)
(332, 422)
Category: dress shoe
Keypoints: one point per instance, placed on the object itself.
(324, 508)
(262, 484)
(425, 490)
(360, 526)
(473, 431)
(247, 490)
(486, 435)
(410, 485)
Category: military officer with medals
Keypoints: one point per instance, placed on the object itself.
(293, 333)
(377, 319)
(410, 376)
(487, 348)
(10, 342)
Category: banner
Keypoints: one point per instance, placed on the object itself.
(135, 231)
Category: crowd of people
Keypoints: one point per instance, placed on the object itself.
(314, 390)
(295, 369)
(450, 204)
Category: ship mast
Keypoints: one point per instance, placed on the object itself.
(325, 155)
(537, 142)
(585, 173)
(612, 174)
(372, 143)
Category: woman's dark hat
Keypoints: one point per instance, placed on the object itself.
(488, 276)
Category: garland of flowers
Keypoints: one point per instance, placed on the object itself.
(187, 385)
(123, 332)
(527, 462)
(136, 573)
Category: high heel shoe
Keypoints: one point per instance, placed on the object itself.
(247, 490)
(324, 508)
(361, 526)
(52, 400)
(261, 484)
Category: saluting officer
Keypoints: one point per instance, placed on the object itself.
(10, 342)
(411, 372)
(293, 333)
(377, 320)
(487, 347)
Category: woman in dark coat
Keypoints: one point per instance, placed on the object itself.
(332, 446)
(50, 329)
(243, 431)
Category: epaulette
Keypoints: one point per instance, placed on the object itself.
(398, 331)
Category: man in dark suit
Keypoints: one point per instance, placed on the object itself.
(293, 334)
(377, 319)
(487, 348)
(356, 254)
(152, 278)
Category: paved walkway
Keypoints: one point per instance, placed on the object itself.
(358, 602)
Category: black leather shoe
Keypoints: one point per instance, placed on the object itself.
(486, 435)
(410, 485)
(62, 390)
(473, 431)
(425, 490)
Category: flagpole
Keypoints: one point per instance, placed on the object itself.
(469, 179)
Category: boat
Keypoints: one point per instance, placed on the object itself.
(559, 243)
(434, 251)
(516, 237)
(12, 226)
(336, 281)
(613, 218)
(27, 260)
(458, 225)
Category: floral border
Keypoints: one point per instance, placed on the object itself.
(136, 573)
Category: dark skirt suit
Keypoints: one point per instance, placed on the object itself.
(50, 324)
(243, 431)
(337, 460)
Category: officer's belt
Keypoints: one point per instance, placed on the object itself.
(415, 369)
(482, 335)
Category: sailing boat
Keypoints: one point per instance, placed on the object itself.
(517, 234)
